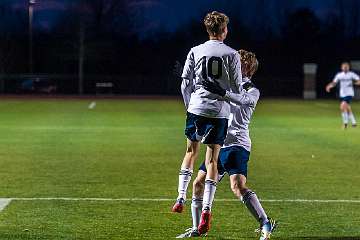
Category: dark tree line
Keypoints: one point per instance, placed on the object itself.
(99, 37)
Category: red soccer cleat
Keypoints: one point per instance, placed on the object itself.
(205, 221)
(178, 206)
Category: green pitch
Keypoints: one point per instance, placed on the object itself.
(133, 148)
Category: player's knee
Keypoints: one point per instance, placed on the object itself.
(192, 149)
(238, 186)
(198, 187)
(343, 106)
(210, 162)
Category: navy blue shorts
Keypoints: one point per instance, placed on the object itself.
(347, 99)
(234, 160)
(207, 130)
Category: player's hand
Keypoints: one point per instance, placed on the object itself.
(248, 85)
(214, 87)
(328, 88)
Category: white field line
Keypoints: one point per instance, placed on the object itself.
(170, 200)
(4, 202)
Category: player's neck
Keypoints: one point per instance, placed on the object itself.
(216, 38)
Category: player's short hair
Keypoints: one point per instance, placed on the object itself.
(249, 63)
(215, 23)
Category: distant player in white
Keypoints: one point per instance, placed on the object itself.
(207, 116)
(234, 155)
(346, 79)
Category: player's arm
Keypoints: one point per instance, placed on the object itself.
(187, 86)
(356, 79)
(248, 96)
(332, 84)
(186, 90)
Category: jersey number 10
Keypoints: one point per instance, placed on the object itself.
(212, 68)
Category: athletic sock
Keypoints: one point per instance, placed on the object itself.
(196, 207)
(209, 194)
(253, 204)
(184, 180)
(352, 118)
(345, 117)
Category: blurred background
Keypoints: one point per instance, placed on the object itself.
(133, 47)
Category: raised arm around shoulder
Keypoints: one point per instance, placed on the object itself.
(244, 98)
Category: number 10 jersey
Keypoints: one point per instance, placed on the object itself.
(212, 61)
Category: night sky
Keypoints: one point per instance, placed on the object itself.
(154, 15)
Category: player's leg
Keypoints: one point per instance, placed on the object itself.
(252, 203)
(344, 113)
(249, 198)
(191, 154)
(214, 140)
(212, 155)
(351, 115)
(235, 161)
(197, 198)
(193, 126)
(196, 204)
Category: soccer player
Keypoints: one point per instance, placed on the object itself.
(234, 155)
(346, 79)
(207, 116)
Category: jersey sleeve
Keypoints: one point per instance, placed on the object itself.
(355, 77)
(336, 78)
(244, 98)
(189, 67)
(187, 88)
(188, 74)
(235, 73)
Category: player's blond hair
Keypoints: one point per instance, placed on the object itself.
(215, 23)
(249, 63)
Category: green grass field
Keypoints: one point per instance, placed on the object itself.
(133, 149)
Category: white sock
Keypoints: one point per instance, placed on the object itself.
(345, 117)
(352, 118)
(184, 180)
(196, 207)
(209, 194)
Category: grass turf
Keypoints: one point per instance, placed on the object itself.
(133, 148)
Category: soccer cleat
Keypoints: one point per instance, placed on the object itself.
(354, 125)
(178, 206)
(344, 126)
(189, 233)
(205, 221)
(267, 229)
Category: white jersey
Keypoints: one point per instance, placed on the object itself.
(215, 61)
(345, 79)
(242, 108)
